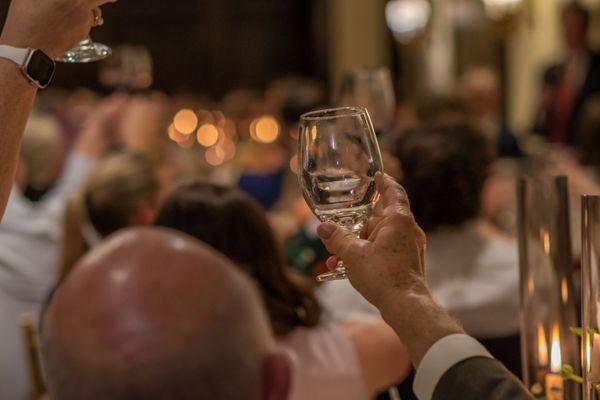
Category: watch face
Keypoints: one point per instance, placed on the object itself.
(40, 68)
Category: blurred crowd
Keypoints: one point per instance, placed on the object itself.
(225, 172)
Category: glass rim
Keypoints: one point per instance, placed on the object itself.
(334, 113)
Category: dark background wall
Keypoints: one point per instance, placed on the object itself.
(212, 45)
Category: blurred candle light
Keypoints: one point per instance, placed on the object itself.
(207, 135)
(267, 129)
(175, 135)
(564, 291)
(214, 156)
(205, 117)
(554, 382)
(185, 121)
(294, 164)
(542, 346)
(188, 143)
(228, 147)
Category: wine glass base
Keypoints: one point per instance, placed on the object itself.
(337, 274)
(85, 53)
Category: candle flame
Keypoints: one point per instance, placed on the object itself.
(555, 359)
(542, 346)
(564, 291)
(546, 240)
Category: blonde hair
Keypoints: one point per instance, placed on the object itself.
(107, 203)
(41, 146)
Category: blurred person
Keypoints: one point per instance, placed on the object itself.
(349, 361)
(387, 266)
(53, 27)
(154, 314)
(263, 167)
(590, 137)
(443, 110)
(480, 89)
(568, 85)
(43, 151)
(121, 191)
(471, 268)
(30, 232)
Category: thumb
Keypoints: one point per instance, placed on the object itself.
(338, 240)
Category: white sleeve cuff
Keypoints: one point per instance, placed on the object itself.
(442, 356)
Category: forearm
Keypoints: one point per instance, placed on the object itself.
(418, 321)
(16, 100)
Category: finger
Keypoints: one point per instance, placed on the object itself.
(332, 262)
(393, 192)
(339, 241)
(97, 17)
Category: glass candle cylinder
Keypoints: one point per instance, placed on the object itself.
(590, 264)
(546, 283)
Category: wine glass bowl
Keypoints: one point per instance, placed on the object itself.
(86, 51)
(338, 159)
(373, 89)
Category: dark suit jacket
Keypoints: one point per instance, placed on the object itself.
(480, 378)
(590, 87)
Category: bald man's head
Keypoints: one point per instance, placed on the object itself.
(153, 314)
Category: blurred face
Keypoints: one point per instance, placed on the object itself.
(575, 29)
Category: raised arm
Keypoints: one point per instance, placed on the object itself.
(52, 26)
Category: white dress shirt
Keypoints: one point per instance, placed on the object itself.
(443, 355)
(474, 274)
(30, 240)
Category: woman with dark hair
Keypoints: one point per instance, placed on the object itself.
(350, 361)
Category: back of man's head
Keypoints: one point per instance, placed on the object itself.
(153, 314)
(444, 170)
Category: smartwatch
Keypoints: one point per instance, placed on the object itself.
(37, 67)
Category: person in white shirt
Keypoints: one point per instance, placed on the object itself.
(471, 268)
(30, 237)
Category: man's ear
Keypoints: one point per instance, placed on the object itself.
(277, 377)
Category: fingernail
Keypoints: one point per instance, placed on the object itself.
(326, 230)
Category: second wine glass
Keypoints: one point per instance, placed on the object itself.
(338, 158)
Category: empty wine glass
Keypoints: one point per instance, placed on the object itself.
(86, 51)
(338, 157)
(373, 89)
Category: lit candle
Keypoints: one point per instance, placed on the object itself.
(542, 346)
(554, 382)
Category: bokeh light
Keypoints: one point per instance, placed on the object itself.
(185, 121)
(207, 135)
(214, 156)
(188, 143)
(266, 129)
(294, 164)
(175, 135)
(228, 147)
(205, 117)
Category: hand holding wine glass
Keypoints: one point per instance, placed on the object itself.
(389, 257)
(53, 26)
(338, 159)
